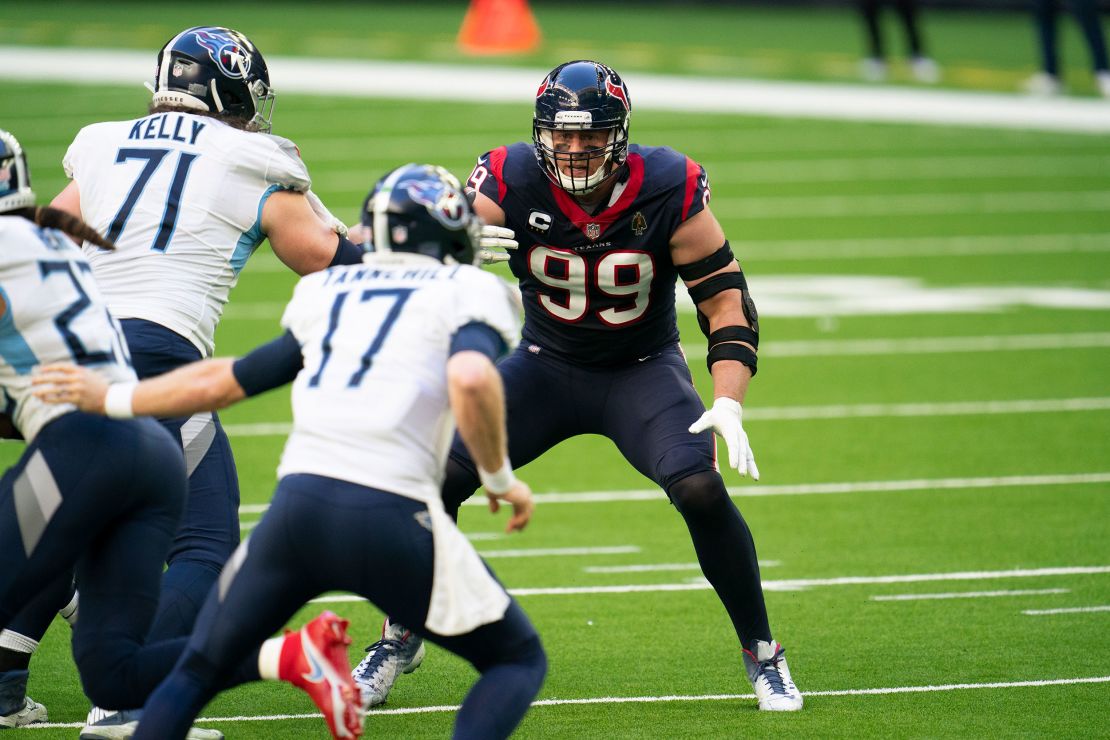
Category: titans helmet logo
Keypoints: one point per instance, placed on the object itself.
(446, 206)
(229, 55)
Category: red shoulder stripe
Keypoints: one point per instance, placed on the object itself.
(693, 172)
(497, 167)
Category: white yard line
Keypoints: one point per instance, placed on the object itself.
(789, 250)
(795, 584)
(808, 489)
(661, 567)
(970, 594)
(836, 411)
(1071, 610)
(467, 83)
(994, 167)
(559, 551)
(856, 206)
(652, 700)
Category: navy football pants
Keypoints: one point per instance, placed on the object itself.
(322, 534)
(646, 409)
(209, 530)
(103, 496)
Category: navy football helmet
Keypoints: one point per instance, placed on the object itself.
(15, 177)
(581, 95)
(421, 208)
(218, 70)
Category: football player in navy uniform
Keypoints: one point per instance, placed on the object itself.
(102, 496)
(604, 228)
(385, 357)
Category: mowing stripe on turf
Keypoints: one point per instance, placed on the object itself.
(971, 594)
(653, 700)
(994, 167)
(1071, 610)
(835, 411)
(806, 489)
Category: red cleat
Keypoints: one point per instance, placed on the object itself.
(314, 659)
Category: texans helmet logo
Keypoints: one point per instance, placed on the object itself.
(617, 91)
(231, 57)
(543, 87)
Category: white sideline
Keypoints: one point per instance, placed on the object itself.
(805, 489)
(656, 700)
(1072, 610)
(789, 250)
(795, 584)
(657, 567)
(424, 81)
(833, 411)
(971, 594)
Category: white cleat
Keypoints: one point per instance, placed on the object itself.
(29, 714)
(106, 724)
(1044, 85)
(925, 70)
(1102, 79)
(770, 677)
(872, 69)
(399, 651)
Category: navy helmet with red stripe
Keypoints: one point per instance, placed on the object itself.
(215, 69)
(581, 95)
(421, 208)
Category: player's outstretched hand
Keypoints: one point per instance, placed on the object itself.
(495, 240)
(520, 496)
(64, 382)
(724, 419)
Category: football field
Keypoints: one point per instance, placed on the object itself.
(931, 420)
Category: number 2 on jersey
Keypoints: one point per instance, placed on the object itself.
(153, 158)
(399, 296)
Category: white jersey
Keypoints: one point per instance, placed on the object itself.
(181, 196)
(370, 405)
(53, 312)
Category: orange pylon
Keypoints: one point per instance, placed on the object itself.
(499, 27)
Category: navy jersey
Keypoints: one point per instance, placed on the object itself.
(598, 289)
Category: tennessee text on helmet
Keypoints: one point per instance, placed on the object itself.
(217, 70)
(15, 178)
(581, 96)
(421, 208)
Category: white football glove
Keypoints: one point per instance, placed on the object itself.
(324, 214)
(495, 239)
(724, 419)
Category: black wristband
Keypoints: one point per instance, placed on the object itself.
(347, 253)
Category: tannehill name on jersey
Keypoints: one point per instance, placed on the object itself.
(337, 277)
(157, 127)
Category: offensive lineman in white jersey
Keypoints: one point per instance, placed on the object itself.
(187, 193)
(385, 357)
(102, 496)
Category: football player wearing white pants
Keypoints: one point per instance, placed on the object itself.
(188, 193)
(385, 358)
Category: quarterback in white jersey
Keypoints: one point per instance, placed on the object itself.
(386, 357)
(188, 193)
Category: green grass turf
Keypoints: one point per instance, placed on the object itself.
(976, 50)
(654, 644)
